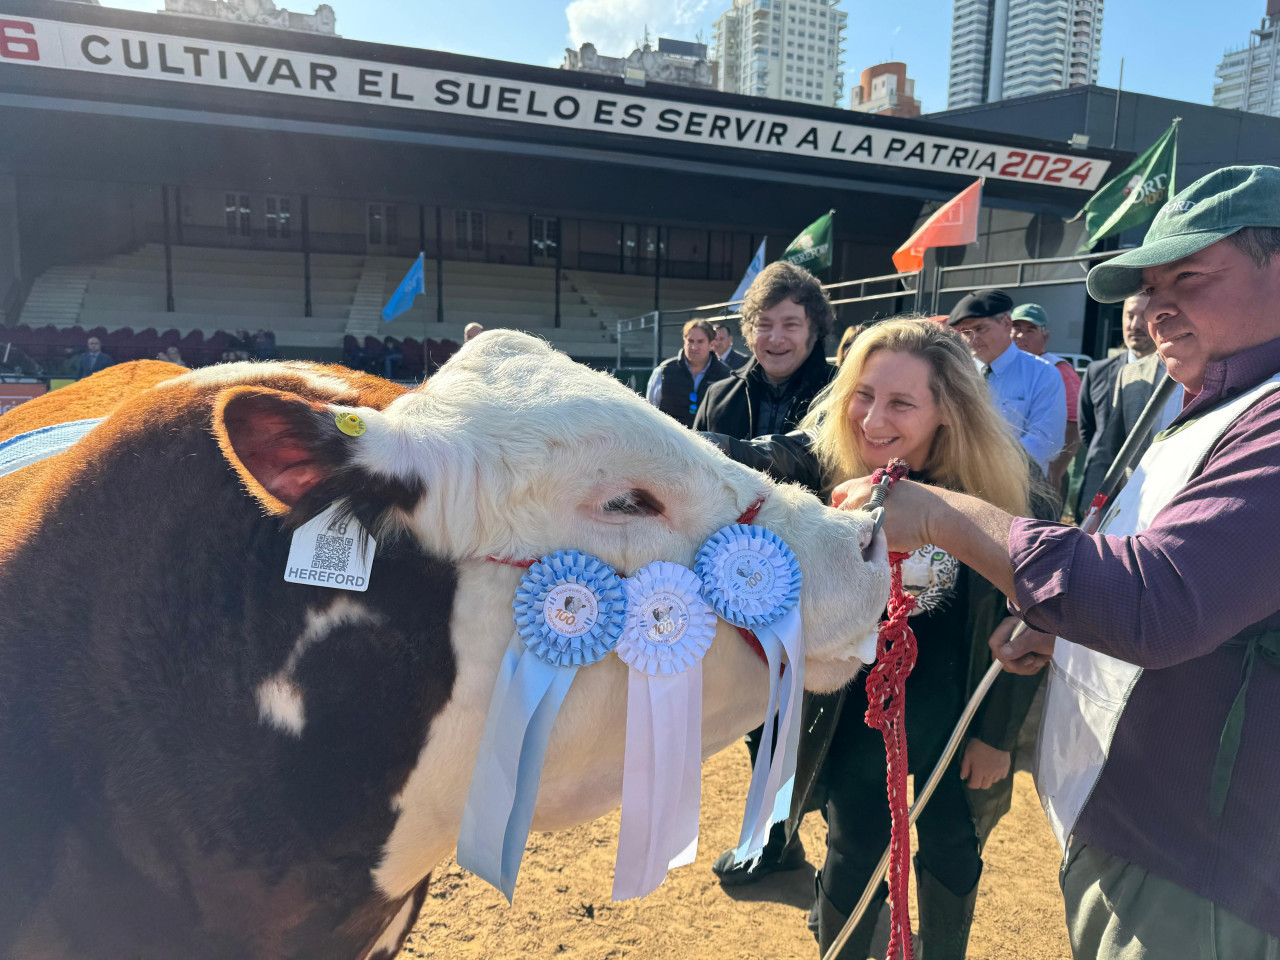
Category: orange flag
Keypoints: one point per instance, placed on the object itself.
(953, 224)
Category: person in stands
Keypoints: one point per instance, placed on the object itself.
(93, 359)
(678, 386)
(786, 317)
(1028, 391)
(908, 389)
(1031, 335)
(723, 345)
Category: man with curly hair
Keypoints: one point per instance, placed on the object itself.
(785, 319)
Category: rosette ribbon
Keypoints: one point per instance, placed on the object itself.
(751, 578)
(668, 630)
(569, 611)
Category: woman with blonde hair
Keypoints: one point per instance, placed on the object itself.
(908, 389)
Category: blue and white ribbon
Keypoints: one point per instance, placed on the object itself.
(36, 445)
(569, 611)
(751, 578)
(669, 629)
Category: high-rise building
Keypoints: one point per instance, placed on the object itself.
(1249, 78)
(1013, 48)
(264, 13)
(676, 62)
(786, 49)
(886, 89)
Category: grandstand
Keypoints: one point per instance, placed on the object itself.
(178, 202)
(216, 288)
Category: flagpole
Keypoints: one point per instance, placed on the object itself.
(422, 252)
(1115, 122)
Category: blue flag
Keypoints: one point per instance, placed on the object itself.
(412, 285)
(753, 268)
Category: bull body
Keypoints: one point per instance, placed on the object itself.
(200, 760)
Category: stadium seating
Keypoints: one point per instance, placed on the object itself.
(218, 289)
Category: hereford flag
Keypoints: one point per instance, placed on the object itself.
(812, 248)
(953, 224)
(1136, 196)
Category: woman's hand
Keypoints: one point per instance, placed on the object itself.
(908, 509)
(1026, 655)
(984, 765)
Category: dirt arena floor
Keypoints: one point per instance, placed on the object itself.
(562, 907)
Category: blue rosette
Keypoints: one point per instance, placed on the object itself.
(751, 578)
(749, 575)
(669, 629)
(569, 611)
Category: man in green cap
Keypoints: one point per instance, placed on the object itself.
(1159, 751)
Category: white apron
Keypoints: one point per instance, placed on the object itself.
(1088, 690)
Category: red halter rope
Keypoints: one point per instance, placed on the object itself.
(886, 712)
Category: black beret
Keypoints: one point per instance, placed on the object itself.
(979, 304)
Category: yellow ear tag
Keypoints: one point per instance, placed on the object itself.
(349, 424)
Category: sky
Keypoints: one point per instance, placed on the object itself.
(1170, 47)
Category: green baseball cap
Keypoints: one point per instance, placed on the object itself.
(1211, 209)
(1032, 313)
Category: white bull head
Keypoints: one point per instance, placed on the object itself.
(520, 452)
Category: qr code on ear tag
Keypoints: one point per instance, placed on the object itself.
(331, 550)
(332, 553)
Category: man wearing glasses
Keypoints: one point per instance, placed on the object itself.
(678, 385)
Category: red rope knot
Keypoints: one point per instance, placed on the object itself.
(886, 712)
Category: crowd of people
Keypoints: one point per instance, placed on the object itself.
(1173, 838)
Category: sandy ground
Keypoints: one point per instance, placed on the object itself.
(562, 907)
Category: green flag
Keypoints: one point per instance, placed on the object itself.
(812, 248)
(1136, 196)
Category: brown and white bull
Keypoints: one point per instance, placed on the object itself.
(200, 760)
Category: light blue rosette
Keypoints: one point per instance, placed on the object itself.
(751, 578)
(569, 612)
(669, 629)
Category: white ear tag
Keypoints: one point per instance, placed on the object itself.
(331, 551)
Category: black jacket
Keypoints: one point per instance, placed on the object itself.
(733, 359)
(746, 405)
(676, 391)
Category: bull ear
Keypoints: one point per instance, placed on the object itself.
(281, 445)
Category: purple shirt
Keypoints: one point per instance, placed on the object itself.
(1167, 599)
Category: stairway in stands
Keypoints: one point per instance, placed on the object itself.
(57, 296)
(365, 317)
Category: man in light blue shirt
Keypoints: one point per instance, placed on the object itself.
(1027, 390)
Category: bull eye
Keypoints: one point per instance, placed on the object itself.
(633, 503)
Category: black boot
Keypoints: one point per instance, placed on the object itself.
(945, 917)
(777, 855)
(831, 921)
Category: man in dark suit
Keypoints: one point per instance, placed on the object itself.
(1134, 387)
(1097, 400)
(723, 345)
(93, 360)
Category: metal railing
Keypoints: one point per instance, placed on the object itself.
(1020, 267)
(912, 285)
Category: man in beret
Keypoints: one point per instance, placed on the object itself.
(1159, 754)
(1028, 391)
